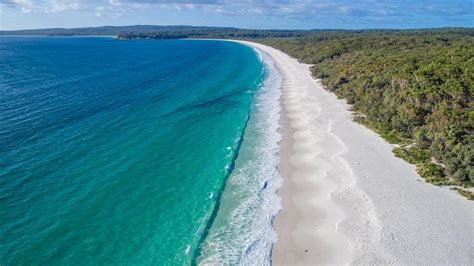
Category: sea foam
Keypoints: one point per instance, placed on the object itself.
(242, 232)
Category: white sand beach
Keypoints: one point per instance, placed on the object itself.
(346, 198)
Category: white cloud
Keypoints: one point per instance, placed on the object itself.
(99, 11)
(26, 6)
(61, 5)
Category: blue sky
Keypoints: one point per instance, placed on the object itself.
(283, 14)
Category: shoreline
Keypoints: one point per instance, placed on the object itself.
(242, 231)
(346, 198)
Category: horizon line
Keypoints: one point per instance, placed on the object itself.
(237, 28)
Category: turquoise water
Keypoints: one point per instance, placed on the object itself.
(242, 233)
(118, 152)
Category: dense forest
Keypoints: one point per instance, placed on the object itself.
(215, 33)
(414, 87)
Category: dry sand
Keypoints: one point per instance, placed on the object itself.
(346, 198)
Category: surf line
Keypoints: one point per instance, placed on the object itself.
(216, 199)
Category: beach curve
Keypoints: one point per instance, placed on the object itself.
(346, 199)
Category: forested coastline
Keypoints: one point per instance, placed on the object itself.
(414, 87)
(215, 34)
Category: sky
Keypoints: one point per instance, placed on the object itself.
(255, 14)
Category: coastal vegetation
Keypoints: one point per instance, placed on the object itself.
(414, 87)
(215, 33)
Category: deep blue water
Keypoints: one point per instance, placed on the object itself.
(116, 152)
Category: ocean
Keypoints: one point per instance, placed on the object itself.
(137, 152)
